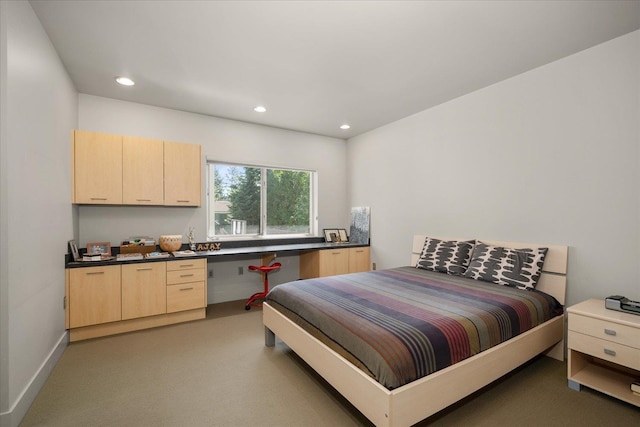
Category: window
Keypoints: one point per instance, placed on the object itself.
(258, 201)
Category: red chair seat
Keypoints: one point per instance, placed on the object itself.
(265, 269)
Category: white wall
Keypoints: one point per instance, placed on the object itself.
(40, 107)
(224, 140)
(549, 156)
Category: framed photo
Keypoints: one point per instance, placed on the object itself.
(73, 248)
(331, 235)
(342, 234)
(103, 248)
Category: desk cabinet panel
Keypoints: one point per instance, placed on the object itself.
(94, 296)
(359, 260)
(331, 262)
(144, 290)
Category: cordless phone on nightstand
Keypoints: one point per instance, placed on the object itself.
(620, 303)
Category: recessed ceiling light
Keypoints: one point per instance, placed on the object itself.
(345, 127)
(259, 109)
(125, 81)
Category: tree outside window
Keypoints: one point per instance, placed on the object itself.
(246, 200)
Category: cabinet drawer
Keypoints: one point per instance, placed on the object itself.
(186, 264)
(185, 276)
(606, 350)
(186, 296)
(605, 330)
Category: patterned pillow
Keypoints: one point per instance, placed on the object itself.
(520, 268)
(445, 256)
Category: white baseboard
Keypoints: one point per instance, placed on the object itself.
(14, 416)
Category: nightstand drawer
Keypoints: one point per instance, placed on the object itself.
(605, 330)
(603, 349)
(186, 264)
(186, 296)
(185, 276)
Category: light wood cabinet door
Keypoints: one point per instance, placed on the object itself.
(142, 171)
(359, 260)
(182, 174)
(144, 289)
(94, 295)
(97, 168)
(333, 262)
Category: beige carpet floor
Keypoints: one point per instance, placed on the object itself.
(217, 372)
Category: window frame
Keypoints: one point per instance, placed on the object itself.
(313, 205)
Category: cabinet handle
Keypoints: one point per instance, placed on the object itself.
(144, 269)
(143, 200)
(98, 198)
(335, 253)
(610, 332)
(360, 251)
(186, 265)
(182, 201)
(186, 275)
(95, 272)
(186, 289)
(609, 352)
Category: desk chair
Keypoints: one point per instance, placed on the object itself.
(265, 269)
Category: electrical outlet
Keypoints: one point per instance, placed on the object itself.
(240, 271)
(210, 273)
(373, 265)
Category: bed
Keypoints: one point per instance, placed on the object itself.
(389, 403)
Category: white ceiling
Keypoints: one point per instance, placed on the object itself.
(316, 65)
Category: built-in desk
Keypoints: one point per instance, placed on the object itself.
(110, 297)
(316, 259)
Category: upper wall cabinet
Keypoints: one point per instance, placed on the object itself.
(97, 173)
(182, 174)
(117, 170)
(142, 171)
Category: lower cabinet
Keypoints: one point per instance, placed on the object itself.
(186, 285)
(107, 300)
(331, 262)
(94, 296)
(144, 290)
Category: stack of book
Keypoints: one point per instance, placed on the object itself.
(129, 257)
(186, 253)
(154, 255)
(96, 257)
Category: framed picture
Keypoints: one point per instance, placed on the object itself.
(342, 234)
(73, 248)
(103, 248)
(331, 235)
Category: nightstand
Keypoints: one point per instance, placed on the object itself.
(604, 350)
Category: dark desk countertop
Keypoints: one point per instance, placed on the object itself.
(211, 255)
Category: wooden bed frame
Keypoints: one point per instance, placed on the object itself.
(424, 397)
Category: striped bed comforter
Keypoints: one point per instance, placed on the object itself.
(404, 323)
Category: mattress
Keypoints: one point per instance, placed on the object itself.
(402, 324)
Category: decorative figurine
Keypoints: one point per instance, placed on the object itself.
(190, 236)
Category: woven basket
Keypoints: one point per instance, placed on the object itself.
(170, 243)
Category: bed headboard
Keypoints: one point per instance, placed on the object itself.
(553, 279)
